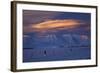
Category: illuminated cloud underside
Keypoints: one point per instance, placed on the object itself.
(57, 24)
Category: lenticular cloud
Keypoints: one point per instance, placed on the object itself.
(57, 24)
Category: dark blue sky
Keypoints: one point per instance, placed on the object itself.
(33, 17)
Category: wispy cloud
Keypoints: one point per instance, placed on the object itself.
(84, 37)
(54, 25)
(26, 36)
(57, 24)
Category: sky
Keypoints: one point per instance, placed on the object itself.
(42, 23)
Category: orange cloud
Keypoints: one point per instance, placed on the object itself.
(53, 25)
(57, 24)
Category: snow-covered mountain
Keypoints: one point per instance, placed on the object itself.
(56, 40)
